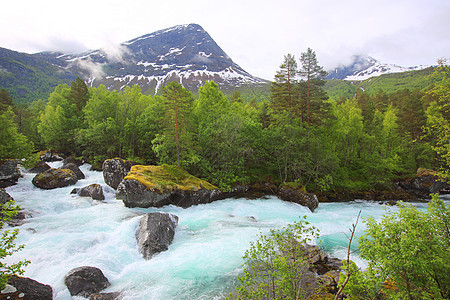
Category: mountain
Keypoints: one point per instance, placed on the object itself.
(365, 67)
(29, 77)
(184, 53)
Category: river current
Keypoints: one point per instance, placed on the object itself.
(68, 231)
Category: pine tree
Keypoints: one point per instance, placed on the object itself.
(6, 100)
(313, 79)
(79, 93)
(178, 104)
(284, 94)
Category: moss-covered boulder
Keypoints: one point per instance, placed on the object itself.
(293, 192)
(55, 178)
(156, 186)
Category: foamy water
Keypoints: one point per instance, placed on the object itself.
(67, 231)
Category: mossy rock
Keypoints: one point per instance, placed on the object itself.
(156, 186)
(55, 178)
(426, 172)
(166, 178)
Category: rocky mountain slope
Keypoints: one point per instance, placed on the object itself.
(184, 53)
(365, 67)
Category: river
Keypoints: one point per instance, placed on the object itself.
(68, 231)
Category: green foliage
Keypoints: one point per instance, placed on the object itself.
(438, 116)
(361, 284)
(275, 266)
(12, 143)
(7, 244)
(411, 248)
(176, 125)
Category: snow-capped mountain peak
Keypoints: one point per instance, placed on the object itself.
(183, 53)
(365, 67)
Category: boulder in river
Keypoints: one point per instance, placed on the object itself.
(9, 173)
(293, 193)
(4, 196)
(75, 169)
(155, 233)
(49, 156)
(156, 186)
(114, 170)
(55, 178)
(72, 159)
(39, 167)
(85, 281)
(425, 182)
(95, 191)
(26, 288)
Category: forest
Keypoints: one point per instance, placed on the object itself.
(300, 135)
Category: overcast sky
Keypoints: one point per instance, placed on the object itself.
(255, 34)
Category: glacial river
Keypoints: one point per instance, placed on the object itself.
(68, 231)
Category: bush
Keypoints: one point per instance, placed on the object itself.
(276, 267)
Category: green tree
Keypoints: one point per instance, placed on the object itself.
(59, 121)
(313, 78)
(12, 143)
(79, 93)
(6, 100)
(178, 106)
(276, 267)
(284, 94)
(7, 244)
(411, 247)
(438, 116)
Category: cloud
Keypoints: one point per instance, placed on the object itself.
(94, 69)
(117, 53)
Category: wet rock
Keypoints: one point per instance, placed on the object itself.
(73, 160)
(26, 288)
(155, 233)
(55, 178)
(114, 170)
(75, 169)
(50, 156)
(9, 173)
(39, 167)
(298, 195)
(106, 296)
(85, 281)
(4, 196)
(95, 191)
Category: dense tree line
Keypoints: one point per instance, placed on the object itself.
(299, 135)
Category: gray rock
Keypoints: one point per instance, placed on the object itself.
(9, 173)
(114, 170)
(50, 156)
(155, 233)
(54, 178)
(27, 288)
(39, 167)
(135, 194)
(4, 196)
(72, 159)
(297, 196)
(85, 281)
(95, 191)
(75, 169)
